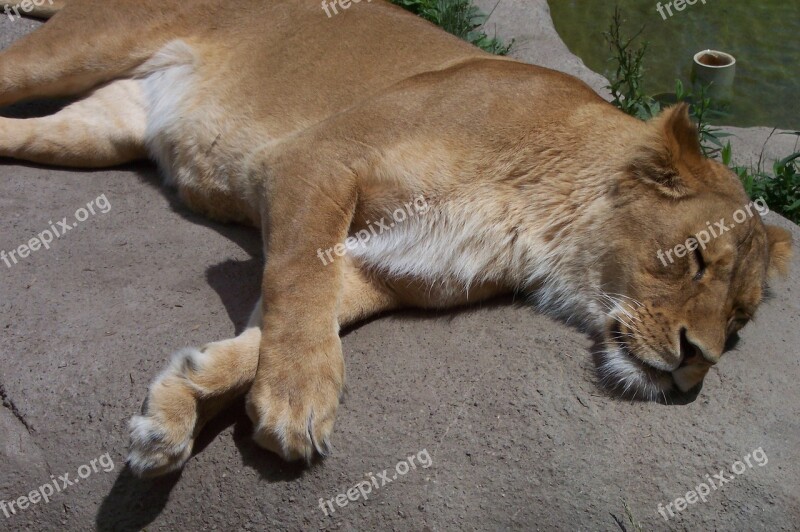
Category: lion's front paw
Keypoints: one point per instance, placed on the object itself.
(162, 438)
(293, 404)
(156, 448)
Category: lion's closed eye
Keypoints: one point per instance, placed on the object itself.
(699, 263)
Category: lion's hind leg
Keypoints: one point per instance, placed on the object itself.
(85, 45)
(106, 128)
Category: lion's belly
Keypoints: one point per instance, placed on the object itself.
(199, 148)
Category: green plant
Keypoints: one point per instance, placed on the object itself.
(460, 18)
(628, 94)
(632, 521)
(627, 79)
(781, 190)
(701, 111)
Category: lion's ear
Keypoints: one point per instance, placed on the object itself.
(780, 250)
(673, 151)
(680, 133)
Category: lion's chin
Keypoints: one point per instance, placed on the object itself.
(625, 374)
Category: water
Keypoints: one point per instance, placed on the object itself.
(763, 35)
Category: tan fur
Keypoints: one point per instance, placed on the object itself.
(311, 128)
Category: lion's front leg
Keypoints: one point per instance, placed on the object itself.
(199, 383)
(300, 376)
(294, 399)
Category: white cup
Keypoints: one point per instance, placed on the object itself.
(717, 69)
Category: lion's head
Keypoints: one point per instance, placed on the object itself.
(689, 265)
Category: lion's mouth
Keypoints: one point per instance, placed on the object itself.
(623, 372)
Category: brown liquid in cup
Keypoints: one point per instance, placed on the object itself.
(714, 60)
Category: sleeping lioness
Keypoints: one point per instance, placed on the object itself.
(317, 129)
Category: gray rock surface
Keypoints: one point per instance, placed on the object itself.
(760, 144)
(502, 399)
(536, 41)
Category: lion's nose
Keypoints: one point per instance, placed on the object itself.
(693, 352)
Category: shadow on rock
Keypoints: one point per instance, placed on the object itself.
(36, 109)
(269, 465)
(238, 287)
(238, 283)
(134, 503)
